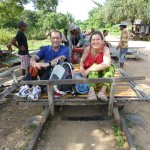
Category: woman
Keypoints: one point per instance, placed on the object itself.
(96, 62)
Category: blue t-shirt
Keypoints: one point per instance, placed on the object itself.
(48, 54)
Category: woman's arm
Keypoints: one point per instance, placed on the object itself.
(105, 64)
(83, 58)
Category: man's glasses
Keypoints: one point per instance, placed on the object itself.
(57, 38)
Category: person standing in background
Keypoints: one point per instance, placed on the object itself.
(76, 38)
(65, 40)
(20, 42)
(105, 33)
(123, 44)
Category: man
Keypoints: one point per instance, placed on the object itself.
(76, 38)
(51, 55)
(123, 44)
(65, 40)
(105, 33)
(20, 41)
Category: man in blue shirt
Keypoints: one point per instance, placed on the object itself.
(50, 56)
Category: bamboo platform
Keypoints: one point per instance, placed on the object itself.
(122, 89)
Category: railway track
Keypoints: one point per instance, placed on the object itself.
(113, 106)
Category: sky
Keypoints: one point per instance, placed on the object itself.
(78, 8)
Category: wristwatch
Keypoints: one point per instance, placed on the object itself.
(49, 62)
(56, 62)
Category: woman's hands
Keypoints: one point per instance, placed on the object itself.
(84, 72)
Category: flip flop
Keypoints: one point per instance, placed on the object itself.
(102, 96)
(92, 94)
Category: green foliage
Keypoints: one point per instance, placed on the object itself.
(30, 17)
(9, 13)
(36, 44)
(46, 5)
(29, 130)
(117, 11)
(6, 36)
(119, 136)
(36, 34)
(53, 20)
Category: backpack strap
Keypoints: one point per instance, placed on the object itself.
(70, 66)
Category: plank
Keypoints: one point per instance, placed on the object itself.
(32, 144)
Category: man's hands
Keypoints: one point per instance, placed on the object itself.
(9, 46)
(22, 48)
(54, 61)
(40, 65)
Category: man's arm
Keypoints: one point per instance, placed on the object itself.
(83, 58)
(13, 42)
(54, 61)
(39, 65)
(124, 38)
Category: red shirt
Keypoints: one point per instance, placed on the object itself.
(90, 60)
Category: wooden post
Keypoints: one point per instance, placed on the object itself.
(130, 141)
(116, 115)
(111, 100)
(7, 91)
(35, 138)
(50, 98)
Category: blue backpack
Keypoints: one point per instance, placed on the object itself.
(81, 88)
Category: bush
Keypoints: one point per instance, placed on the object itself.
(6, 36)
(36, 34)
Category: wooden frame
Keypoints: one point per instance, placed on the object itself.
(50, 83)
(112, 81)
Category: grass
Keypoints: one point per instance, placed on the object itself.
(32, 44)
(29, 130)
(129, 123)
(44, 136)
(119, 136)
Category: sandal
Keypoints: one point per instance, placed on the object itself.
(102, 96)
(92, 94)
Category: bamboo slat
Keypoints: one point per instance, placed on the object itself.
(122, 89)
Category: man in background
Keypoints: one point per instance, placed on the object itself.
(105, 33)
(65, 40)
(20, 42)
(123, 44)
(76, 38)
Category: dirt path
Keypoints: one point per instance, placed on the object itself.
(77, 135)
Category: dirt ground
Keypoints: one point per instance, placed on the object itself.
(62, 134)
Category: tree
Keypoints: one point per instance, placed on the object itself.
(120, 10)
(9, 13)
(45, 5)
(53, 20)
